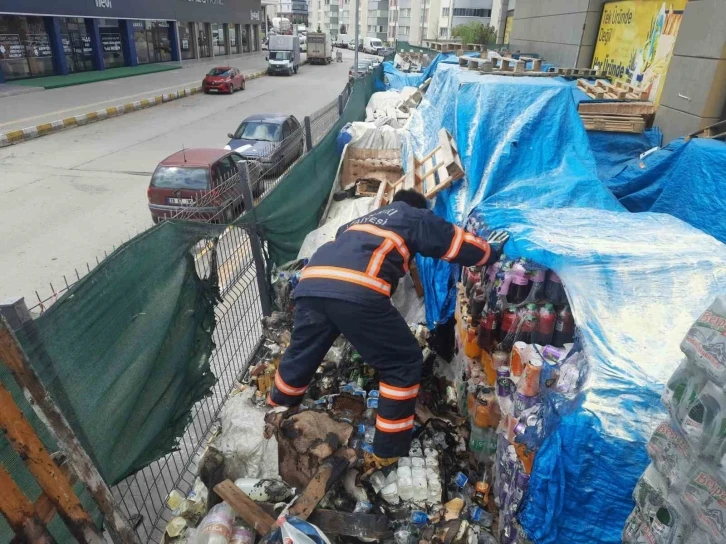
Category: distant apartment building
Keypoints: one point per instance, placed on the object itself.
(296, 11)
(413, 21)
(462, 12)
(325, 15)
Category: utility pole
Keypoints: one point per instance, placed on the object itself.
(357, 34)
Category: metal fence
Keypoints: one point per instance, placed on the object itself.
(238, 332)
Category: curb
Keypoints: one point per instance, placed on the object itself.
(30, 133)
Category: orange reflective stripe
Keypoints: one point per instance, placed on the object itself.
(455, 246)
(481, 244)
(389, 235)
(346, 274)
(398, 393)
(379, 255)
(394, 425)
(288, 389)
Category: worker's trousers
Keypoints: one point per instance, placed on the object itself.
(381, 336)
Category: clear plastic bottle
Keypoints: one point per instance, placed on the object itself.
(370, 433)
(420, 487)
(216, 527)
(704, 423)
(390, 493)
(378, 481)
(405, 488)
(242, 534)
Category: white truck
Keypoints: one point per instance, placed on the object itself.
(320, 48)
(284, 56)
(343, 40)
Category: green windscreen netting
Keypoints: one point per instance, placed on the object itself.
(125, 354)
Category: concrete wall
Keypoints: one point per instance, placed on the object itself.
(564, 32)
(694, 95)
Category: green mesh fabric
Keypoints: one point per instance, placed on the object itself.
(293, 209)
(125, 353)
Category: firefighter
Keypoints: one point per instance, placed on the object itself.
(346, 289)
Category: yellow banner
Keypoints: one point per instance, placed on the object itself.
(636, 41)
(508, 28)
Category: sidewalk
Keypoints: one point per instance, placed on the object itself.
(24, 110)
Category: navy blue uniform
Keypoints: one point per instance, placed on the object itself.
(346, 289)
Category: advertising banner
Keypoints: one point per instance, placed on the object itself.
(508, 28)
(636, 41)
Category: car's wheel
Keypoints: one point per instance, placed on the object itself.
(296, 69)
(206, 91)
(231, 88)
(243, 85)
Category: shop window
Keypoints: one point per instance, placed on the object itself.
(24, 47)
(186, 37)
(152, 41)
(113, 53)
(218, 41)
(233, 42)
(203, 40)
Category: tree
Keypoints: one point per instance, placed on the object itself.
(476, 32)
(343, 30)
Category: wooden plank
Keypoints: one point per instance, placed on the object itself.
(31, 450)
(617, 108)
(12, 355)
(245, 507)
(18, 511)
(328, 473)
(44, 507)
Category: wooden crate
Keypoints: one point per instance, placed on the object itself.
(717, 131)
(360, 163)
(440, 168)
(602, 89)
(644, 109)
(614, 123)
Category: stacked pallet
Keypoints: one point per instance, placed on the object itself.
(602, 89)
(629, 117)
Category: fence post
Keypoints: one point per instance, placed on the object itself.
(308, 134)
(12, 354)
(340, 105)
(255, 245)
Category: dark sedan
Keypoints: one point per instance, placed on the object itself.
(274, 139)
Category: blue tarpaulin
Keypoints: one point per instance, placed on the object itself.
(684, 179)
(636, 282)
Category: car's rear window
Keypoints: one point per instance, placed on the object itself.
(175, 177)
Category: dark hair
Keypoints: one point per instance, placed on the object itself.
(412, 198)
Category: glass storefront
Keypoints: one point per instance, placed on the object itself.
(255, 37)
(113, 52)
(76, 44)
(186, 44)
(220, 44)
(245, 39)
(203, 40)
(152, 41)
(233, 41)
(24, 47)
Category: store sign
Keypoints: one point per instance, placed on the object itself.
(254, 15)
(104, 4)
(38, 46)
(185, 45)
(213, 2)
(508, 28)
(87, 48)
(111, 43)
(636, 41)
(11, 47)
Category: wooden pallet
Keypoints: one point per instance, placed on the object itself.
(440, 168)
(717, 131)
(581, 72)
(613, 123)
(601, 90)
(644, 109)
(503, 66)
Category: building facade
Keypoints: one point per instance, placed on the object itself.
(461, 12)
(58, 37)
(295, 11)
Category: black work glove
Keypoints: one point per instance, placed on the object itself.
(496, 241)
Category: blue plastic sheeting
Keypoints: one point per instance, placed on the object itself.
(398, 80)
(636, 282)
(684, 179)
(614, 150)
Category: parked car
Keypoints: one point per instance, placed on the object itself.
(274, 139)
(371, 45)
(359, 71)
(385, 51)
(223, 79)
(202, 183)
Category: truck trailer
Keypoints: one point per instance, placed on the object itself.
(284, 56)
(320, 48)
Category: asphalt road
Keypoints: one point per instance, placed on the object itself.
(70, 197)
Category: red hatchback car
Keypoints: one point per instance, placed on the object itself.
(223, 79)
(197, 184)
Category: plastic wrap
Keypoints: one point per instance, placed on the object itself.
(684, 179)
(635, 283)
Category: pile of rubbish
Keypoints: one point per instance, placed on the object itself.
(681, 496)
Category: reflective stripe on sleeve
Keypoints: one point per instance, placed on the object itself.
(346, 274)
(455, 246)
(398, 393)
(481, 244)
(288, 389)
(394, 425)
(379, 255)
